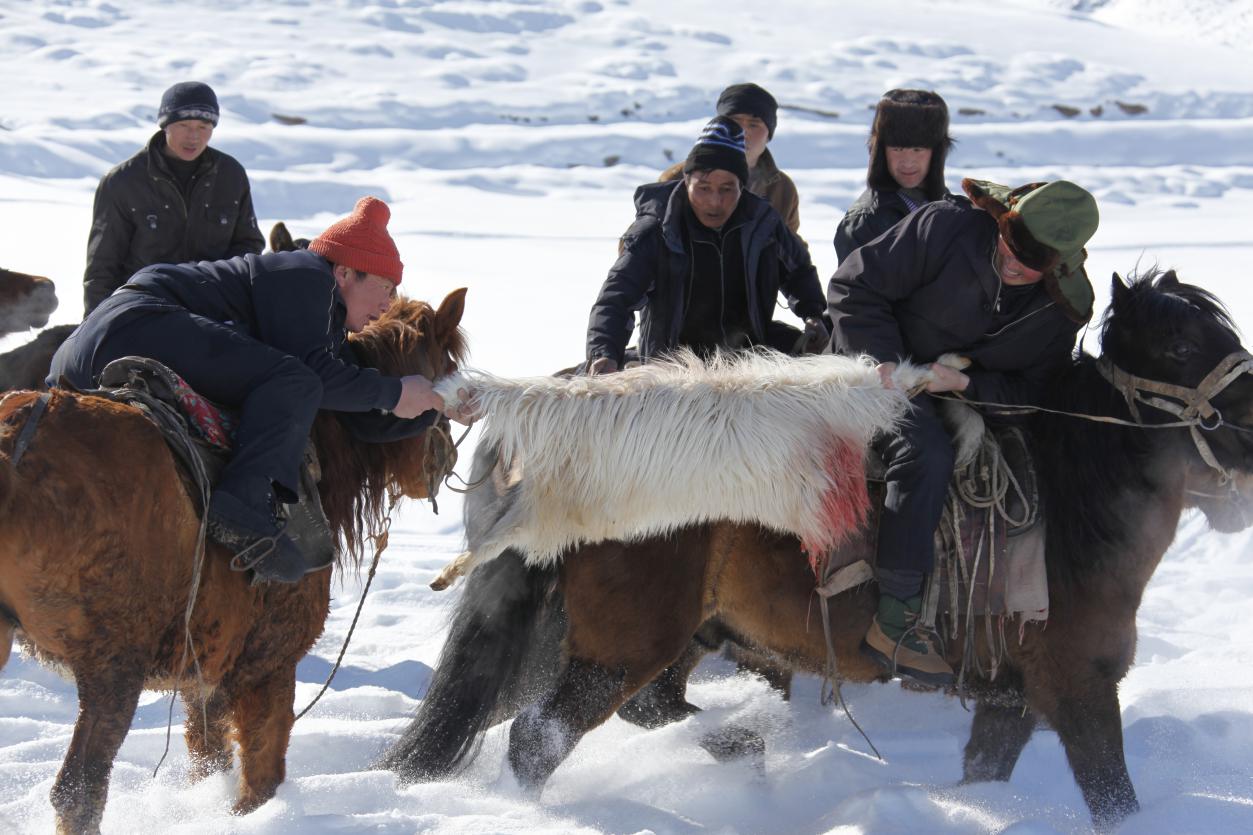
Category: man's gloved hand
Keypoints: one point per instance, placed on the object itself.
(816, 336)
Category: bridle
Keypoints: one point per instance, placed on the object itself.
(1193, 408)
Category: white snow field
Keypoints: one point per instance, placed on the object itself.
(508, 136)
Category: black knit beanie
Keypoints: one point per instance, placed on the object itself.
(188, 100)
(720, 146)
(752, 100)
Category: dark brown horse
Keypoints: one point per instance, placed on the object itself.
(97, 545)
(26, 301)
(611, 623)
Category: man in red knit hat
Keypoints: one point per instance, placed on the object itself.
(267, 335)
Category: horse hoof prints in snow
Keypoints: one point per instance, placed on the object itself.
(97, 546)
(578, 638)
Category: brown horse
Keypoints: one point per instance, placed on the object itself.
(97, 545)
(612, 622)
(26, 301)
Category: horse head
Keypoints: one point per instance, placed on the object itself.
(1183, 360)
(26, 301)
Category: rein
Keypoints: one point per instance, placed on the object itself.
(1197, 413)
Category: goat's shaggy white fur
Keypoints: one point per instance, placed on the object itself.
(750, 438)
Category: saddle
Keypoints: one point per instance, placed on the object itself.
(201, 436)
(989, 546)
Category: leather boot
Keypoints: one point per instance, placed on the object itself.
(895, 641)
(254, 535)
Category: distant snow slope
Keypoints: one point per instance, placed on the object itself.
(508, 136)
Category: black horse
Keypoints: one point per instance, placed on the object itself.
(615, 619)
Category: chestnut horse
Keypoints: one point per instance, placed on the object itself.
(610, 624)
(26, 301)
(97, 552)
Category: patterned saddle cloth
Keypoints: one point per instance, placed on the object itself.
(202, 434)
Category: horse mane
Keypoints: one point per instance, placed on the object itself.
(1087, 469)
(356, 475)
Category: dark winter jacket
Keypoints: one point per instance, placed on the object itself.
(142, 217)
(287, 301)
(873, 213)
(928, 287)
(764, 180)
(654, 272)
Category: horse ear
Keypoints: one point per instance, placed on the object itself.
(1168, 279)
(448, 317)
(281, 239)
(1118, 290)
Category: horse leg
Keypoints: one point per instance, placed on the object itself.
(207, 731)
(998, 734)
(263, 722)
(544, 734)
(664, 699)
(615, 645)
(107, 698)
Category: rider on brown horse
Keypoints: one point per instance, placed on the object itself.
(1000, 282)
(266, 334)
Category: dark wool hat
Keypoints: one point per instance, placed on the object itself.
(720, 146)
(188, 100)
(909, 119)
(752, 100)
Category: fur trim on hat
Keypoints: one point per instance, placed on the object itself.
(909, 119)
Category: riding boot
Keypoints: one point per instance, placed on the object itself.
(249, 527)
(898, 643)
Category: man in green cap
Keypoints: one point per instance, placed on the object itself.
(998, 279)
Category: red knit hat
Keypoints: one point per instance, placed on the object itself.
(360, 241)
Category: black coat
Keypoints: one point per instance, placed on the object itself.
(928, 287)
(871, 214)
(142, 217)
(287, 301)
(655, 267)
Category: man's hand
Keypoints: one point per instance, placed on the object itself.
(417, 395)
(816, 336)
(602, 365)
(467, 409)
(886, 370)
(944, 378)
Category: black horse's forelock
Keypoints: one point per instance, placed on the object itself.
(1158, 300)
(1089, 469)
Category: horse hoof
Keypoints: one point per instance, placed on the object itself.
(736, 743)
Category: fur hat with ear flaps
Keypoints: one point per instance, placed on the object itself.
(909, 119)
(1046, 226)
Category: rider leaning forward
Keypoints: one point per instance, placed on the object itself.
(1000, 281)
(266, 335)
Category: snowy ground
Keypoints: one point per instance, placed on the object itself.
(508, 136)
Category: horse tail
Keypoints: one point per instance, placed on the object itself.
(503, 651)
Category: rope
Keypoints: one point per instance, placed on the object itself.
(380, 545)
(831, 690)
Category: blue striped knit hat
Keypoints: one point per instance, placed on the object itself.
(720, 146)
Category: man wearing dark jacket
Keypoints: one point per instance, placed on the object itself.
(908, 144)
(266, 334)
(177, 200)
(703, 263)
(755, 110)
(1000, 282)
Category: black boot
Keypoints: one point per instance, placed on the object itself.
(255, 536)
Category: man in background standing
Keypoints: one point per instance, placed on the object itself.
(176, 200)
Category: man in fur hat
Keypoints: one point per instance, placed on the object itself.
(998, 279)
(267, 335)
(703, 262)
(908, 144)
(176, 200)
(756, 111)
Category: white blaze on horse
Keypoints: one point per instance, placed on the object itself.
(757, 438)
